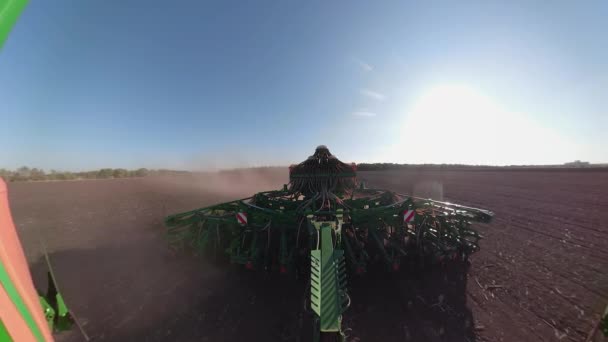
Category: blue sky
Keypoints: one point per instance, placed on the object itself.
(197, 84)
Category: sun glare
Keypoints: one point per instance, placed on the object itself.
(458, 124)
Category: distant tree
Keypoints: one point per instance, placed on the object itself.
(52, 175)
(22, 174)
(25, 173)
(578, 163)
(24, 170)
(120, 173)
(37, 174)
(65, 175)
(141, 172)
(89, 174)
(105, 173)
(7, 175)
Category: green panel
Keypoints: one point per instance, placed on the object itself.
(64, 319)
(326, 283)
(49, 312)
(315, 281)
(9, 13)
(13, 294)
(4, 335)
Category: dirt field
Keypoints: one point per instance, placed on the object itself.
(541, 274)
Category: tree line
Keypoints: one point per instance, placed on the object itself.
(395, 166)
(35, 174)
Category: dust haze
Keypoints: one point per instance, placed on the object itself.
(225, 184)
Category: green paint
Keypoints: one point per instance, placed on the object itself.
(9, 13)
(327, 283)
(13, 294)
(49, 312)
(64, 319)
(58, 317)
(4, 335)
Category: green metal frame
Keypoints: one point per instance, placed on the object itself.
(328, 295)
(368, 220)
(55, 310)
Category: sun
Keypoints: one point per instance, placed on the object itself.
(459, 124)
(447, 122)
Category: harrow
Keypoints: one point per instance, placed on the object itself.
(324, 226)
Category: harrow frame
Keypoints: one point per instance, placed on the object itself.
(290, 233)
(322, 227)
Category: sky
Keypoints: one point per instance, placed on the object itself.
(212, 84)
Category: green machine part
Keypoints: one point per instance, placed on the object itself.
(4, 335)
(58, 315)
(9, 13)
(321, 224)
(328, 295)
(55, 310)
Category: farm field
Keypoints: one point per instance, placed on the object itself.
(540, 275)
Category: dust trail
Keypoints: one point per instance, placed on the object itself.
(428, 189)
(221, 186)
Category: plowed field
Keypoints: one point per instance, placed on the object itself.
(541, 274)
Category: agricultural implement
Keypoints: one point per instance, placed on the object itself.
(325, 226)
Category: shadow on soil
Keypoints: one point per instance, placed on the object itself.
(411, 306)
(144, 293)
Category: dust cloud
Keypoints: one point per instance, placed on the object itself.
(224, 185)
(428, 189)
